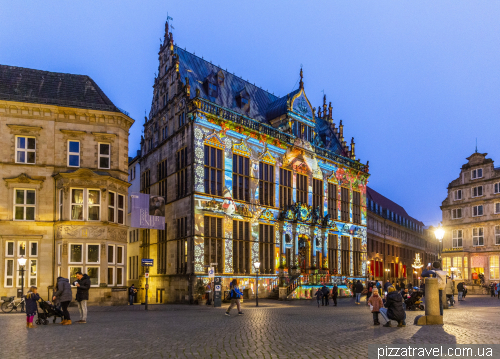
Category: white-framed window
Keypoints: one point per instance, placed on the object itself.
(477, 211)
(32, 271)
(116, 208)
(478, 236)
(477, 191)
(9, 273)
(33, 249)
(24, 204)
(497, 208)
(104, 155)
(93, 273)
(60, 204)
(457, 195)
(25, 149)
(111, 254)
(85, 203)
(73, 153)
(457, 237)
(9, 248)
(477, 173)
(494, 267)
(21, 248)
(111, 276)
(75, 254)
(119, 275)
(496, 188)
(120, 260)
(497, 235)
(93, 252)
(456, 213)
(72, 273)
(59, 271)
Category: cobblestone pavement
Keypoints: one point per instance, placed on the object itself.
(296, 329)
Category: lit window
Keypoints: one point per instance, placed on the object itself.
(76, 253)
(25, 149)
(73, 153)
(104, 154)
(85, 201)
(93, 273)
(77, 204)
(92, 253)
(477, 236)
(494, 267)
(116, 208)
(94, 205)
(24, 205)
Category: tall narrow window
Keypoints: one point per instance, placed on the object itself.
(111, 207)
(302, 188)
(345, 260)
(104, 155)
(286, 186)
(162, 251)
(146, 182)
(116, 208)
(266, 248)
(356, 207)
(333, 253)
(241, 178)
(162, 178)
(182, 245)
(357, 255)
(25, 149)
(94, 205)
(213, 242)
(266, 184)
(241, 247)
(344, 204)
(73, 153)
(494, 267)
(24, 205)
(60, 204)
(332, 201)
(9, 273)
(213, 171)
(457, 236)
(497, 235)
(478, 236)
(181, 168)
(318, 194)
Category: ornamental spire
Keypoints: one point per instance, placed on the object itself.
(301, 83)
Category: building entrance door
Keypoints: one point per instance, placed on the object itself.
(304, 253)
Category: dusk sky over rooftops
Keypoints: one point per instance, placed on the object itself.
(415, 83)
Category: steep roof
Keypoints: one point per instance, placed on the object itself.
(53, 88)
(390, 205)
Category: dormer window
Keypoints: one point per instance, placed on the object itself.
(302, 131)
(212, 89)
(476, 173)
(243, 100)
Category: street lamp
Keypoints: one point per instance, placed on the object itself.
(387, 270)
(453, 269)
(22, 262)
(368, 269)
(257, 266)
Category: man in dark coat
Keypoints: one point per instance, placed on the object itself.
(335, 292)
(359, 289)
(393, 308)
(82, 295)
(460, 289)
(326, 294)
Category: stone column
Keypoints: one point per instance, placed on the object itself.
(432, 313)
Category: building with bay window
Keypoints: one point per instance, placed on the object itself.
(247, 177)
(64, 150)
(471, 219)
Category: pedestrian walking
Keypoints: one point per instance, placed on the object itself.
(31, 306)
(235, 295)
(378, 285)
(326, 296)
(319, 296)
(335, 292)
(375, 303)
(63, 295)
(359, 290)
(492, 289)
(450, 291)
(393, 308)
(460, 289)
(387, 285)
(131, 294)
(82, 295)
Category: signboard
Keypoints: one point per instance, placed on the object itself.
(146, 274)
(211, 272)
(147, 211)
(147, 262)
(218, 292)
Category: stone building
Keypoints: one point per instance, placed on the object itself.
(248, 177)
(396, 241)
(63, 150)
(471, 219)
(134, 242)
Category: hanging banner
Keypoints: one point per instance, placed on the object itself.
(147, 211)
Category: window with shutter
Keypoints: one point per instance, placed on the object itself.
(241, 247)
(333, 253)
(332, 201)
(213, 242)
(213, 171)
(302, 188)
(344, 205)
(266, 248)
(318, 194)
(356, 207)
(286, 186)
(241, 178)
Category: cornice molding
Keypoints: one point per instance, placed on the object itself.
(24, 178)
(73, 133)
(14, 127)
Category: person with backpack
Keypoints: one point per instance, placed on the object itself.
(235, 295)
(131, 294)
(326, 296)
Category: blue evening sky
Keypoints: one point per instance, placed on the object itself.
(415, 82)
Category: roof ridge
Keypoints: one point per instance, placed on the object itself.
(233, 74)
(45, 71)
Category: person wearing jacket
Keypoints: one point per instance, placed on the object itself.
(319, 296)
(435, 271)
(393, 308)
(359, 289)
(450, 290)
(335, 293)
(82, 295)
(376, 303)
(31, 306)
(235, 295)
(460, 289)
(326, 296)
(63, 295)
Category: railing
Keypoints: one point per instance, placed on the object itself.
(295, 283)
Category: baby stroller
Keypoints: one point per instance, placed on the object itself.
(415, 302)
(48, 310)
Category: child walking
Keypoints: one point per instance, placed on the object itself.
(31, 306)
(375, 303)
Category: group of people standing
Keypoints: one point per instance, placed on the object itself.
(323, 295)
(495, 289)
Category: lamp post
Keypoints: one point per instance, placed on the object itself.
(439, 233)
(387, 270)
(22, 262)
(368, 270)
(257, 267)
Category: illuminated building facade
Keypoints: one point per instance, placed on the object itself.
(64, 150)
(248, 177)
